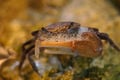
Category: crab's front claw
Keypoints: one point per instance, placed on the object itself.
(88, 49)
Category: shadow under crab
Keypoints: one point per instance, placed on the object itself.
(63, 38)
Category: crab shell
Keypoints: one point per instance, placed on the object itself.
(89, 46)
(62, 26)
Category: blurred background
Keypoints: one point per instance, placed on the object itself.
(18, 18)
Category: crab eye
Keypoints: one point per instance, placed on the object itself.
(73, 30)
(70, 25)
(44, 30)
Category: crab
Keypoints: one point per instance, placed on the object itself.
(65, 38)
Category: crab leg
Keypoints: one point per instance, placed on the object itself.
(30, 54)
(25, 52)
(27, 43)
(37, 49)
(105, 36)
